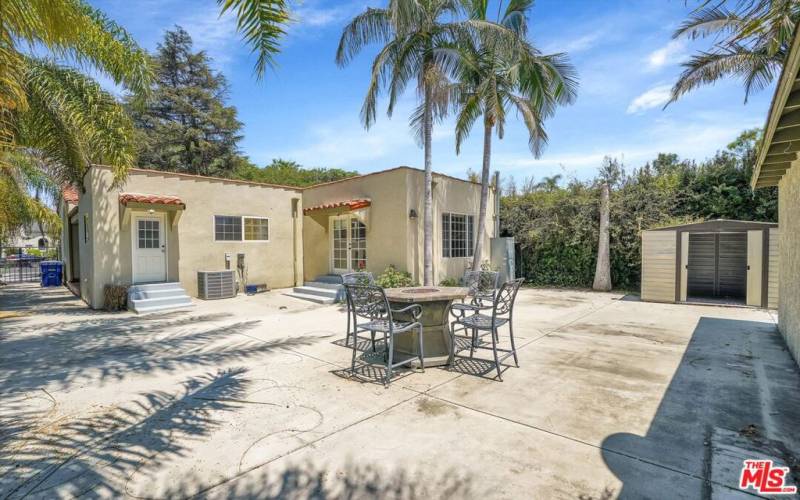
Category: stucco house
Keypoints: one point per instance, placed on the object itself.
(777, 165)
(162, 227)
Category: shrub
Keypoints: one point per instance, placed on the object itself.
(115, 297)
(450, 282)
(392, 278)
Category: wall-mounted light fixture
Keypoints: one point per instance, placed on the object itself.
(151, 211)
(412, 214)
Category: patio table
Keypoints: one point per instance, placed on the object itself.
(435, 302)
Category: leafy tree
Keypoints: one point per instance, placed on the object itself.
(185, 126)
(290, 173)
(751, 40)
(557, 228)
(492, 76)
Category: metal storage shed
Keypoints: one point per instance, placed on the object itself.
(717, 260)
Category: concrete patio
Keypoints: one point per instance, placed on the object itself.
(252, 397)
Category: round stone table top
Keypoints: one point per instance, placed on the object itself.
(425, 293)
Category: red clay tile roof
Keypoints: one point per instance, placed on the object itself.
(70, 194)
(350, 204)
(157, 199)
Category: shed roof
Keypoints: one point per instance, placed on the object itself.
(718, 225)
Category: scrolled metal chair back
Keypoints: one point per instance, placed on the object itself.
(358, 278)
(368, 301)
(504, 300)
(480, 282)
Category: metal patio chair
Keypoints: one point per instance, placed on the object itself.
(369, 303)
(482, 286)
(359, 278)
(482, 324)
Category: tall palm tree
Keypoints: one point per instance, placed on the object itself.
(492, 76)
(416, 47)
(751, 40)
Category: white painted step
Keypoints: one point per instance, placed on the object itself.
(319, 299)
(312, 290)
(157, 297)
(322, 284)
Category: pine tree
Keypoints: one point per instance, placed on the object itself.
(186, 126)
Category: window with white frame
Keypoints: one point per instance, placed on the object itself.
(240, 228)
(458, 235)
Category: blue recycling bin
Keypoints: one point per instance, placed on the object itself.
(51, 272)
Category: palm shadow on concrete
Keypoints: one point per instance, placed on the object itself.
(51, 455)
(65, 354)
(734, 395)
(310, 479)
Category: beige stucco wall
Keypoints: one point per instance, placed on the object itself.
(789, 260)
(190, 242)
(449, 195)
(392, 237)
(387, 222)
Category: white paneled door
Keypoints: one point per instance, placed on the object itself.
(149, 249)
(348, 244)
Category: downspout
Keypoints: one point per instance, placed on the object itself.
(496, 203)
(295, 203)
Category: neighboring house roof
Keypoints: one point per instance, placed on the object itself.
(155, 199)
(350, 204)
(70, 194)
(780, 144)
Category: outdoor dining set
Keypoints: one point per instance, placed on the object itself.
(419, 325)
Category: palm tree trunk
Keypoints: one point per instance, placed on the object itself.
(602, 273)
(428, 208)
(487, 158)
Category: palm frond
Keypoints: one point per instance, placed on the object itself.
(709, 21)
(372, 26)
(262, 24)
(755, 69)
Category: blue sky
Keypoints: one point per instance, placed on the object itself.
(308, 109)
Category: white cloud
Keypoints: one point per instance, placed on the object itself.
(673, 52)
(214, 34)
(575, 45)
(653, 98)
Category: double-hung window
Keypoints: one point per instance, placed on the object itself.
(240, 228)
(458, 235)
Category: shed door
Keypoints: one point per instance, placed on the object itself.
(717, 265)
(732, 270)
(702, 264)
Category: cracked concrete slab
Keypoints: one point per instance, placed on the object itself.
(253, 397)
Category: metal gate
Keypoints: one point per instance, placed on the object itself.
(717, 265)
(22, 264)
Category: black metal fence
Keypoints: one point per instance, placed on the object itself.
(22, 264)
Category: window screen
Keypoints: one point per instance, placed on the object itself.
(227, 228)
(256, 229)
(458, 238)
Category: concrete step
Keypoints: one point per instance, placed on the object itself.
(323, 284)
(155, 286)
(151, 309)
(318, 299)
(155, 293)
(312, 290)
(334, 279)
(157, 297)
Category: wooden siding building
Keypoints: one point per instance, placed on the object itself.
(717, 260)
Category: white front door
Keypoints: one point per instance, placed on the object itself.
(348, 244)
(149, 249)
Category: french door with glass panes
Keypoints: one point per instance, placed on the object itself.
(348, 244)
